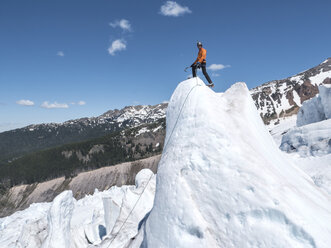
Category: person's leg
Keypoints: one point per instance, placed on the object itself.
(204, 71)
(194, 71)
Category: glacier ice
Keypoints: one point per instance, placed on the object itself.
(67, 223)
(312, 136)
(222, 181)
(316, 109)
(58, 219)
(309, 140)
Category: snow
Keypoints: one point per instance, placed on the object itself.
(318, 168)
(69, 223)
(317, 79)
(277, 131)
(268, 105)
(317, 108)
(325, 95)
(58, 218)
(137, 200)
(222, 181)
(325, 61)
(157, 128)
(296, 98)
(26, 228)
(142, 130)
(297, 78)
(312, 137)
(309, 140)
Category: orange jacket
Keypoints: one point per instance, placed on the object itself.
(201, 56)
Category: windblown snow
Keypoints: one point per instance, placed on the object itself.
(221, 182)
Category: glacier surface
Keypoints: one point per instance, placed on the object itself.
(312, 135)
(316, 109)
(223, 182)
(309, 140)
(67, 223)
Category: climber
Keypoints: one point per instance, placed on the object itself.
(200, 62)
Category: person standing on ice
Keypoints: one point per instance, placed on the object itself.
(200, 62)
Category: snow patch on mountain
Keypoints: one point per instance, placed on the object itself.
(320, 77)
(142, 130)
(222, 181)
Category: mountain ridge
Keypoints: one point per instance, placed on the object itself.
(18, 142)
(277, 99)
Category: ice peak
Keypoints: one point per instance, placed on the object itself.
(222, 181)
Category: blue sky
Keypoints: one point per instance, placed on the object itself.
(57, 56)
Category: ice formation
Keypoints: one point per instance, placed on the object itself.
(316, 109)
(312, 136)
(67, 223)
(309, 140)
(222, 181)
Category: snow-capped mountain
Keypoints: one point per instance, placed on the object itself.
(282, 98)
(20, 141)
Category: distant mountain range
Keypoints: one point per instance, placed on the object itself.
(18, 142)
(68, 160)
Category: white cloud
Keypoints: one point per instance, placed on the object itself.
(25, 102)
(81, 103)
(60, 53)
(54, 105)
(123, 24)
(215, 74)
(117, 45)
(171, 8)
(217, 67)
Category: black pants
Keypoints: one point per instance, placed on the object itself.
(204, 71)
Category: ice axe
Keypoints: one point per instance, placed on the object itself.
(187, 68)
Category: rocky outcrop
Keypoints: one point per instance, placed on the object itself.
(282, 98)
